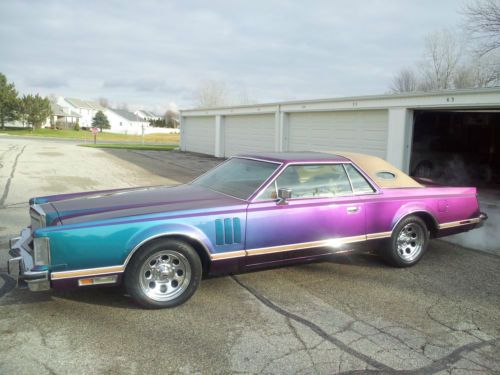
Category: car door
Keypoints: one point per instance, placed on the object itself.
(322, 216)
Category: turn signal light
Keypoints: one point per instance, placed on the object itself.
(98, 280)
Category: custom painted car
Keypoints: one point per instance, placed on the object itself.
(251, 211)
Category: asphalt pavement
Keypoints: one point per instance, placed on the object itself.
(350, 314)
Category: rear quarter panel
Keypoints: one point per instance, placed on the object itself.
(445, 204)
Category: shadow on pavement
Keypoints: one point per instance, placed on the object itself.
(175, 165)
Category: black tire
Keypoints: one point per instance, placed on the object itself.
(408, 243)
(164, 273)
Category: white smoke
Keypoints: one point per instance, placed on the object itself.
(486, 238)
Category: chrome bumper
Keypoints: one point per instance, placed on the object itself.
(20, 267)
(482, 218)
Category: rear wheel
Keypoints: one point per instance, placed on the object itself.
(408, 242)
(165, 273)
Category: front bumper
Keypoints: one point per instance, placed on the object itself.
(21, 266)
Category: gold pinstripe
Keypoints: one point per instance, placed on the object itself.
(259, 251)
(453, 224)
(86, 272)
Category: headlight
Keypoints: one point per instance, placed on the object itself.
(42, 251)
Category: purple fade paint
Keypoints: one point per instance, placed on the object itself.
(118, 221)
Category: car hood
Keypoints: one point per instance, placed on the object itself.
(139, 201)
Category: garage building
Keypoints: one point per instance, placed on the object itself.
(450, 136)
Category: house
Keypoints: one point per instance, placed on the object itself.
(85, 108)
(62, 117)
(125, 122)
(146, 115)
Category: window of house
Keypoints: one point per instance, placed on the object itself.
(311, 181)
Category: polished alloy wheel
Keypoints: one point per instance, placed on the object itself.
(165, 275)
(410, 241)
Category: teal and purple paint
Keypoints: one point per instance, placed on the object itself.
(101, 229)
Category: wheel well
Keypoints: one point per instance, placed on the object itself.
(429, 221)
(197, 246)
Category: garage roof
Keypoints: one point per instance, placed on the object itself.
(463, 98)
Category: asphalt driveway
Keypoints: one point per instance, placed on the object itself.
(348, 314)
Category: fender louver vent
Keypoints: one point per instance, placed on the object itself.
(227, 231)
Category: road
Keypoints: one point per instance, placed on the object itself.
(7, 138)
(350, 314)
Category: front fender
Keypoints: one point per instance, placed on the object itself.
(171, 229)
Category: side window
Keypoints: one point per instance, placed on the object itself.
(311, 181)
(359, 183)
(270, 193)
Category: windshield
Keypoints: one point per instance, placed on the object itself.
(239, 178)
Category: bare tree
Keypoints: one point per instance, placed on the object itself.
(450, 62)
(441, 57)
(123, 106)
(212, 94)
(172, 119)
(404, 81)
(481, 71)
(243, 97)
(483, 22)
(104, 102)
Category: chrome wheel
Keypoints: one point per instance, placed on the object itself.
(410, 241)
(165, 275)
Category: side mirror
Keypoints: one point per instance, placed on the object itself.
(284, 195)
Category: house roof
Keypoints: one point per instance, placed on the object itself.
(86, 104)
(57, 110)
(125, 114)
(147, 113)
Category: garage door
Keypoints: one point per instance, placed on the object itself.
(248, 133)
(356, 131)
(198, 134)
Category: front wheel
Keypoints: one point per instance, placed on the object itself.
(408, 242)
(165, 273)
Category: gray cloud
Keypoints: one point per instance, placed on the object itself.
(150, 53)
(50, 82)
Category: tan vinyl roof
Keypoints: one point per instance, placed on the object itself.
(373, 165)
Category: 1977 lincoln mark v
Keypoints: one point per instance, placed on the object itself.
(249, 212)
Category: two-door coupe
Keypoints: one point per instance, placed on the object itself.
(249, 212)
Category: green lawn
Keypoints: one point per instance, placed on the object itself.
(130, 146)
(87, 135)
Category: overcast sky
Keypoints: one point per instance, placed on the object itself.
(151, 53)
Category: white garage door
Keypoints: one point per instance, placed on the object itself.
(248, 133)
(198, 134)
(356, 131)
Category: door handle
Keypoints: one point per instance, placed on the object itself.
(352, 210)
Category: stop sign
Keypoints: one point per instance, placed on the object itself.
(95, 131)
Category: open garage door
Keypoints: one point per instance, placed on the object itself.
(457, 147)
(462, 148)
(356, 131)
(198, 134)
(249, 133)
